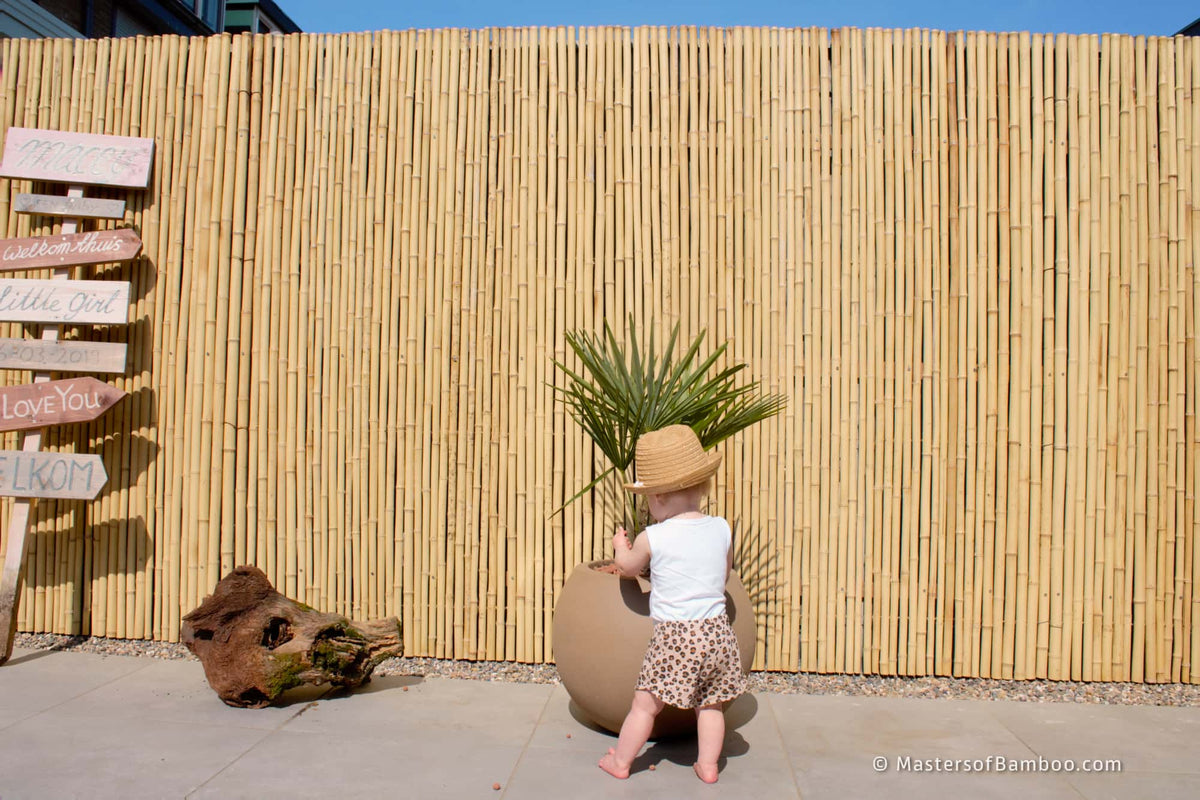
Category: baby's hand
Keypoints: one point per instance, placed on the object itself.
(621, 539)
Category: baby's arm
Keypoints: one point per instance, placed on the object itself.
(630, 559)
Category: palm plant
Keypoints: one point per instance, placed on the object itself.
(621, 392)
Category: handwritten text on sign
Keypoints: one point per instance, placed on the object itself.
(62, 356)
(37, 474)
(68, 302)
(77, 157)
(36, 405)
(71, 249)
(50, 205)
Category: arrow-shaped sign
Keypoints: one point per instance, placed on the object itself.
(36, 474)
(67, 250)
(36, 405)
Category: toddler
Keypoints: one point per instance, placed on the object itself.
(692, 660)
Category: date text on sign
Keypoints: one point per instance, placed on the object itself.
(64, 302)
(62, 356)
(38, 474)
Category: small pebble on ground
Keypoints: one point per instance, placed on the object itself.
(1034, 691)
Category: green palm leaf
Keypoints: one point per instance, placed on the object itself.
(621, 391)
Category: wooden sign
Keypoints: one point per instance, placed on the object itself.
(68, 250)
(88, 158)
(62, 356)
(36, 405)
(53, 206)
(37, 474)
(64, 302)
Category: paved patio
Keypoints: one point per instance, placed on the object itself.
(83, 725)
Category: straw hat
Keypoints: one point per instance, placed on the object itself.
(670, 459)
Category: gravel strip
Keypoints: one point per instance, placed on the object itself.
(1035, 691)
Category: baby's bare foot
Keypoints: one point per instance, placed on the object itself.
(609, 764)
(705, 772)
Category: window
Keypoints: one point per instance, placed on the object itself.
(209, 11)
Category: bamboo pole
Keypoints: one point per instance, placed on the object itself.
(1173, 551)
(1106, 513)
(793, 575)
(1090, 123)
(1191, 663)
(1070, 299)
(1043, 391)
(991, 289)
(926, 259)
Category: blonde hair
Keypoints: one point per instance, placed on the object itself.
(699, 491)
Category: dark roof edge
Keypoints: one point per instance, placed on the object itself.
(1191, 29)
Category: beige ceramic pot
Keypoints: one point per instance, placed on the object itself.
(602, 626)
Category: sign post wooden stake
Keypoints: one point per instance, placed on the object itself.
(76, 159)
(18, 522)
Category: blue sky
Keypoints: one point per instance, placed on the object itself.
(1153, 17)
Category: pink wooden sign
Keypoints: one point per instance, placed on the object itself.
(96, 247)
(36, 405)
(88, 158)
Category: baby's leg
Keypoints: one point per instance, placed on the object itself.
(710, 735)
(635, 730)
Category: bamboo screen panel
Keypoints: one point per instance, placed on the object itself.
(967, 260)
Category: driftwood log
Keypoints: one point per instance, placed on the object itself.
(255, 643)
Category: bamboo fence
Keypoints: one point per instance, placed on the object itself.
(968, 261)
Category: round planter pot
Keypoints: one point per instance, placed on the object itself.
(602, 626)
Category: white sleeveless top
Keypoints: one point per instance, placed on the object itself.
(688, 559)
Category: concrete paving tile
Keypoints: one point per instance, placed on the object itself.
(563, 717)
(58, 756)
(755, 762)
(1131, 785)
(835, 778)
(1144, 738)
(437, 764)
(859, 729)
(546, 772)
(98, 726)
(35, 680)
(495, 713)
(834, 742)
(176, 691)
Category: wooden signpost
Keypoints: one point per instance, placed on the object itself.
(83, 207)
(77, 158)
(64, 302)
(63, 475)
(26, 474)
(97, 247)
(62, 356)
(36, 405)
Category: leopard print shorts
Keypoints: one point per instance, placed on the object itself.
(693, 663)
